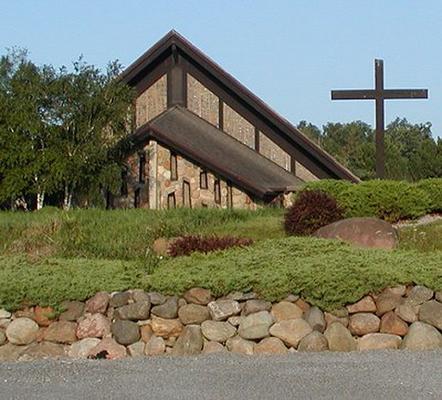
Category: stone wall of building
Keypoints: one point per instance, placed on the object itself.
(202, 101)
(152, 102)
(238, 127)
(304, 174)
(273, 152)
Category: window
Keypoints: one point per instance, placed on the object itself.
(137, 198)
(124, 173)
(217, 191)
(229, 195)
(187, 201)
(203, 180)
(173, 167)
(171, 200)
(141, 167)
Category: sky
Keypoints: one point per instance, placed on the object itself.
(290, 53)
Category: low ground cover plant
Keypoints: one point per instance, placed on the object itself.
(311, 210)
(389, 200)
(186, 245)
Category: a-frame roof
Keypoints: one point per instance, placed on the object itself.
(277, 128)
(196, 139)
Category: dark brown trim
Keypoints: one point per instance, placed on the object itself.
(257, 141)
(293, 165)
(177, 84)
(204, 183)
(220, 113)
(171, 200)
(187, 190)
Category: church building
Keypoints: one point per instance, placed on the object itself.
(202, 139)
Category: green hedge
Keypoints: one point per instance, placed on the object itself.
(389, 200)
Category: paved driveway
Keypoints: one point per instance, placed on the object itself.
(375, 375)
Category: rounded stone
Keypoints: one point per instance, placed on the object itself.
(198, 296)
(422, 336)
(61, 332)
(193, 314)
(285, 310)
(125, 332)
(190, 342)
(155, 346)
(22, 331)
(213, 347)
(108, 348)
(366, 304)
(217, 331)
(222, 309)
(379, 341)
(255, 326)
(314, 341)
(253, 306)
(166, 328)
(339, 338)
(431, 313)
(43, 315)
(168, 310)
(419, 295)
(407, 313)
(362, 323)
(270, 346)
(391, 323)
(136, 349)
(315, 318)
(93, 326)
(119, 299)
(134, 311)
(291, 331)
(74, 310)
(98, 303)
(82, 348)
(239, 345)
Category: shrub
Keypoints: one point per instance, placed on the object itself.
(311, 210)
(433, 188)
(187, 245)
(388, 200)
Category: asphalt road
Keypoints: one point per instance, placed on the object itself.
(374, 375)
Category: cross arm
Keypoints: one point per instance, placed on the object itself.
(406, 94)
(356, 94)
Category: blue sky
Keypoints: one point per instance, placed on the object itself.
(290, 53)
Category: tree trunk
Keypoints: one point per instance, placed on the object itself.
(40, 200)
(67, 201)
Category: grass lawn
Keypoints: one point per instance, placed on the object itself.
(50, 256)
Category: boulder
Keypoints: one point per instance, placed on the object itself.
(41, 350)
(285, 310)
(108, 348)
(222, 309)
(4, 314)
(22, 331)
(134, 311)
(314, 341)
(166, 328)
(2, 338)
(82, 348)
(119, 299)
(140, 296)
(315, 318)
(168, 310)
(391, 323)
(74, 310)
(437, 296)
(270, 346)
(217, 331)
(303, 305)
(419, 295)
(125, 332)
(98, 303)
(431, 313)
(362, 323)
(136, 349)
(387, 301)
(255, 326)
(93, 326)
(330, 318)
(239, 345)
(61, 332)
(339, 338)
(365, 305)
(254, 306)
(407, 312)
(213, 347)
(155, 346)
(11, 352)
(190, 314)
(422, 336)
(198, 296)
(365, 232)
(291, 331)
(43, 315)
(190, 342)
(379, 341)
(235, 320)
(146, 332)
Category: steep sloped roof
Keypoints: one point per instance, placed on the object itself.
(196, 139)
(173, 41)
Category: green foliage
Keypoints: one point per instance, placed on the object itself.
(311, 210)
(328, 274)
(389, 200)
(433, 188)
(422, 237)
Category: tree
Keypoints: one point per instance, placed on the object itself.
(91, 113)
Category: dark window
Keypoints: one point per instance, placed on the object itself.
(173, 167)
(171, 200)
(203, 180)
(187, 201)
(124, 173)
(137, 198)
(142, 167)
(217, 191)
(229, 195)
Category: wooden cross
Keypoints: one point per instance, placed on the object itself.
(379, 94)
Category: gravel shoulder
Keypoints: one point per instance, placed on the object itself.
(369, 375)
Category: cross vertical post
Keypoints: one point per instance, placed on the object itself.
(379, 94)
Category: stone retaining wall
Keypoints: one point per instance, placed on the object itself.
(139, 324)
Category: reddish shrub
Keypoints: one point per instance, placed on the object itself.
(311, 210)
(186, 245)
